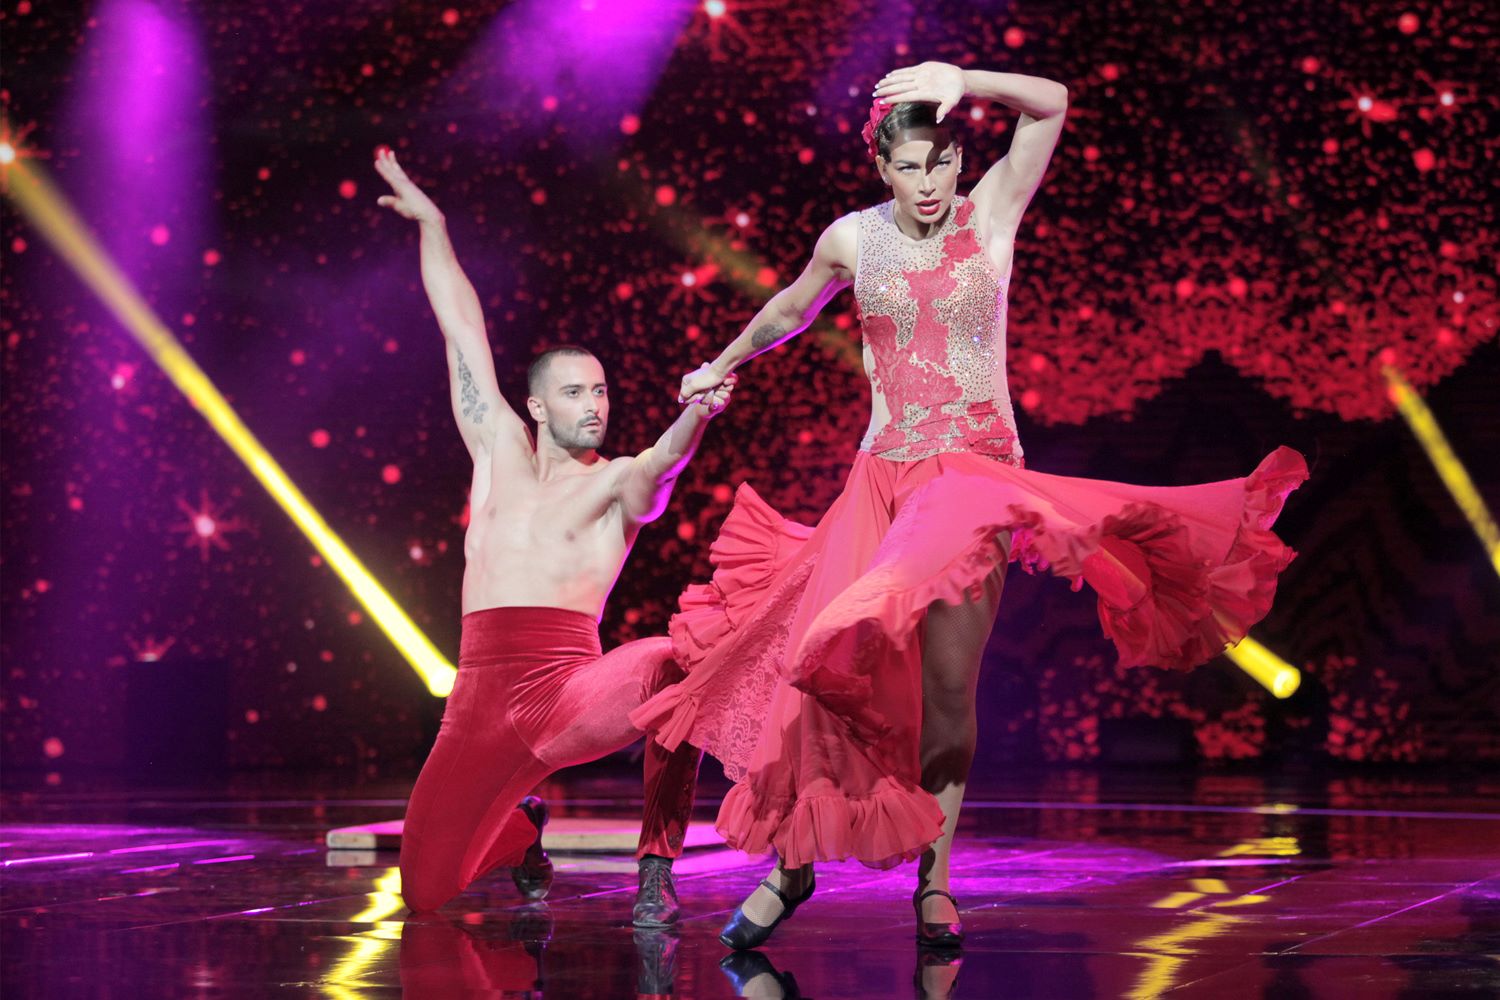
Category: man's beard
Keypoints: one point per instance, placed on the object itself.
(579, 438)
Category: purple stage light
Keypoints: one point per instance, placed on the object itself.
(48, 857)
(137, 121)
(144, 848)
(591, 62)
(131, 148)
(878, 44)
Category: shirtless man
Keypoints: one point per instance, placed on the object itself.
(550, 526)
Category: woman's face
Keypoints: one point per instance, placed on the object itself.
(923, 174)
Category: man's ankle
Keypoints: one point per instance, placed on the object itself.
(660, 858)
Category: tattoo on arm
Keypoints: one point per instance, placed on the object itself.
(766, 336)
(468, 392)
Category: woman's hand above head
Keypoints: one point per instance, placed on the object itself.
(927, 83)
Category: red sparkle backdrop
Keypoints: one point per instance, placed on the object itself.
(1252, 206)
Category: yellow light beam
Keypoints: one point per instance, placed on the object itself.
(1269, 670)
(1452, 472)
(1281, 847)
(345, 980)
(47, 210)
(1176, 900)
(383, 901)
(1168, 954)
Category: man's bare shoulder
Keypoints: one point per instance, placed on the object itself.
(618, 468)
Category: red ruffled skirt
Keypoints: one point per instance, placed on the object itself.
(803, 651)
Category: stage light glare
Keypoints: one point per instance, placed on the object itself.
(1269, 670)
(7, 154)
(347, 979)
(384, 899)
(715, 8)
(49, 213)
(1449, 469)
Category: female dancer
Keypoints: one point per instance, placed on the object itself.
(834, 672)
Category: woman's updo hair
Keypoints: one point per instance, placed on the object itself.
(903, 117)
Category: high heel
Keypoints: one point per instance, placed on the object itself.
(742, 967)
(939, 935)
(742, 933)
(945, 967)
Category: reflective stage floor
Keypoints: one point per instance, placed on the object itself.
(1072, 884)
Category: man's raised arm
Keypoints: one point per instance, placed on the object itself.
(484, 418)
(648, 480)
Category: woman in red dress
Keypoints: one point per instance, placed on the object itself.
(833, 670)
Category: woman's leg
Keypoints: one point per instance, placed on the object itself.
(953, 644)
(763, 907)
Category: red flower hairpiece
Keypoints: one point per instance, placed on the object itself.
(878, 111)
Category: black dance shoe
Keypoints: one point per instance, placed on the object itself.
(531, 924)
(744, 966)
(742, 933)
(655, 962)
(944, 966)
(533, 876)
(656, 902)
(940, 936)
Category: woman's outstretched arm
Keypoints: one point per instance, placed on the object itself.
(790, 311)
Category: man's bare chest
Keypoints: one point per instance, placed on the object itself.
(559, 513)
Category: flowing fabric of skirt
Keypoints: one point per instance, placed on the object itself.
(803, 651)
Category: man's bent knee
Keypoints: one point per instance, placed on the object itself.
(423, 895)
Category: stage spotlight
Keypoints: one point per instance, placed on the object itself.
(46, 209)
(715, 8)
(1452, 472)
(1269, 670)
(7, 154)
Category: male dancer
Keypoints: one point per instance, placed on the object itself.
(550, 526)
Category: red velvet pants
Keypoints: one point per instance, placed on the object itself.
(534, 694)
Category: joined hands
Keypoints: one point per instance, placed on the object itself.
(706, 387)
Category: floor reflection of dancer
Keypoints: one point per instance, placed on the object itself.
(550, 526)
(872, 631)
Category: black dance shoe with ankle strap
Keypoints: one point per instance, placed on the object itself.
(940, 935)
(744, 966)
(742, 933)
(533, 876)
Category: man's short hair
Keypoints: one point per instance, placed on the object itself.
(536, 375)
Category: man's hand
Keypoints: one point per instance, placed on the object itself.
(929, 83)
(407, 201)
(696, 383)
(716, 398)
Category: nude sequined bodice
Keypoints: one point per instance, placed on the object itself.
(933, 313)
